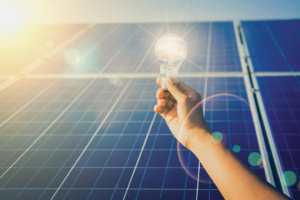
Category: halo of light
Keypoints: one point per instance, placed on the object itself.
(72, 56)
(219, 137)
(49, 43)
(216, 137)
(254, 159)
(119, 82)
(236, 148)
(298, 185)
(289, 178)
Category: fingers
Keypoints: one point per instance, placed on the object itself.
(162, 110)
(162, 94)
(175, 90)
(167, 102)
(195, 96)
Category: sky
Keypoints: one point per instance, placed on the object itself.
(126, 11)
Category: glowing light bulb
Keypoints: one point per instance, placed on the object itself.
(171, 51)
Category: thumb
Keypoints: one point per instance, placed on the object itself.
(175, 90)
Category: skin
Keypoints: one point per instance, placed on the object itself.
(230, 175)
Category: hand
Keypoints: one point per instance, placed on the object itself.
(175, 106)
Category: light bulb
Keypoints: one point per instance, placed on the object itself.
(171, 51)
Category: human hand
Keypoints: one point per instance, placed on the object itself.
(175, 106)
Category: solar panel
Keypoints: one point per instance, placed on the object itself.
(86, 129)
(83, 137)
(120, 48)
(281, 98)
(273, 45)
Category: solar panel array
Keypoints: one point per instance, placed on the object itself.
(94, 134)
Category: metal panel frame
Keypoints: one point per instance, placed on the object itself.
(258, 129)
(265, 119)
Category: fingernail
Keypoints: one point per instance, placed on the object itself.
(171, 80)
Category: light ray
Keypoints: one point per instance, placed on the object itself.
(200, 40)
(167, 19)
(186, 5)
(142, 40)
(194, 64)
(198, 54)
(145, 30)
(190, 30)
(150, 64)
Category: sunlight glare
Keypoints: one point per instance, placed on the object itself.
(9, 18)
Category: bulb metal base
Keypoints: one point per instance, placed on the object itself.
(164, 83)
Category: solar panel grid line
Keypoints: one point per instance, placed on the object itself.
(148, 160)
(29, 102)
(75, 99)
(92, 138)
(140, 154)
(38, 169)
(58, 147)
(119, 51)
(23, 142)
(265, 120)
(278, 46)
(107, 159)
(145, 56)
(45, 58)
(258, 128)
(205, 92)
(82, 167)
(145, 140)
(170, 153)
(14, 135)
(277, 74)
(9, 82)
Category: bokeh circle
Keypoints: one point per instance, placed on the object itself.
(72, 56)
(289, 177)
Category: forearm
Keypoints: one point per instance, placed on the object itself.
(233, 179)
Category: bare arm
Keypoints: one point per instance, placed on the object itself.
(231, 176)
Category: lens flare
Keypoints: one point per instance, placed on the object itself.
(236, 148)
(72, 56)
(289, 178)
(218, 138)
(254, 159)
(113, 79)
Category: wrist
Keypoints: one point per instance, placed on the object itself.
(198, 138)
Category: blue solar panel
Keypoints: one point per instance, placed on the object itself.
(281, 98)
(273, 45)
(129, 48)
(82, 138)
